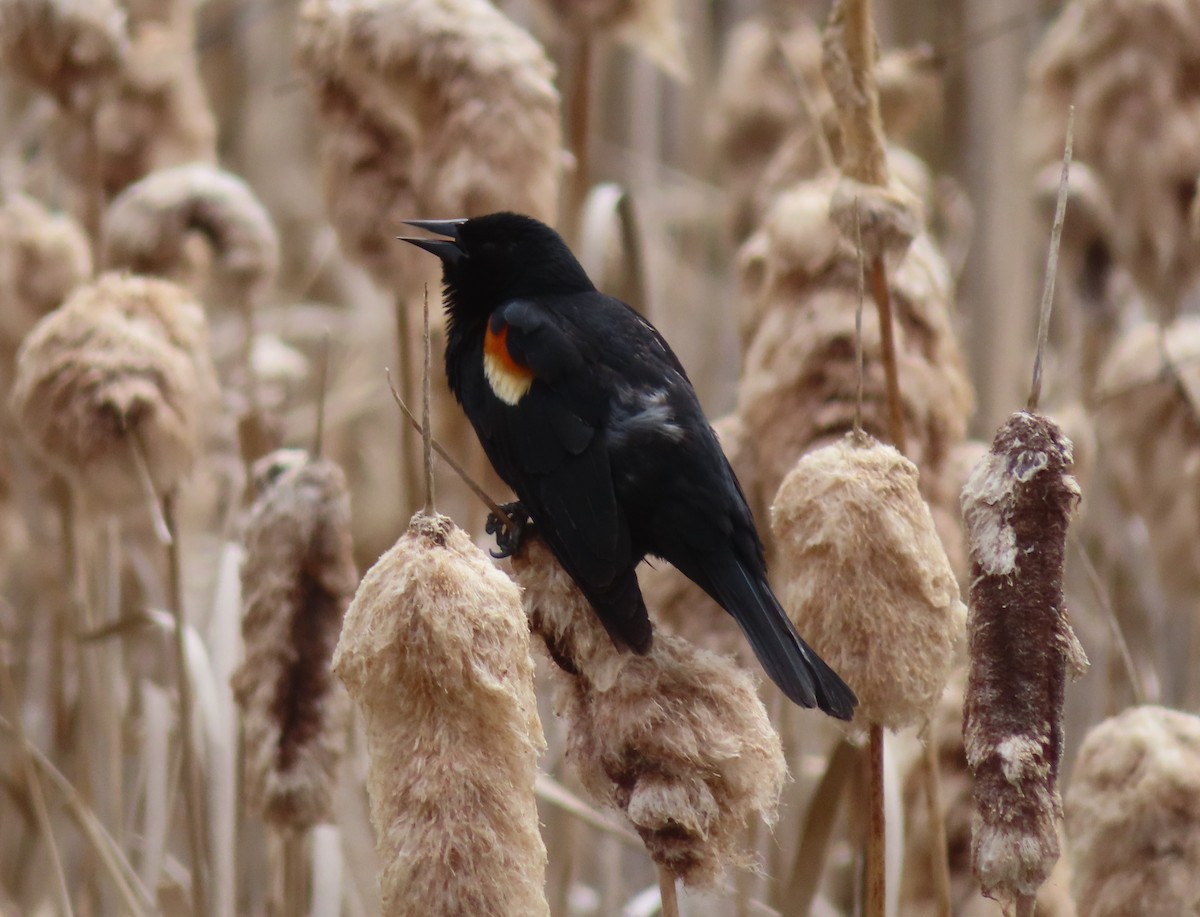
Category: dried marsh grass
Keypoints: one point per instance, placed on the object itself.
(297, 579)
(1132, 810)
(435, 653)
(866, 579)
(678, 739)
(427, 109)
(651, 26)
(121, 368)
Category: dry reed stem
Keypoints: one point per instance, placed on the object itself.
(123, 361)
(1017, 506)
(865, 578)
(427, 109)
(678, 739)
(297, 580)
(1131, 812)
(1126, 66)
(650, 26)
(434, 650)
(43, 257)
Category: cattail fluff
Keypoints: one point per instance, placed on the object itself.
(1017, 505)
(147, 228)
(297, 579)
(677, 739)
(1126, 66)
(1132, 809)
(435, 653)
(122, 365)
(865, 577)
(43, 257)
(443, 109)
(651, 26)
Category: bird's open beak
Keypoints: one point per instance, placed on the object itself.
(446, 249)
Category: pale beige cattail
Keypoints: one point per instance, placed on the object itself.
(298, 577)
(865, 577)
(1017, 505)
(435, 653)
(70, 50)
(122, 366)
(43, 257)
(148, 226)
(651, 26)
(428, 110)
(1132, 809)
(1126, 66)
(1149, 438)
(676, 739)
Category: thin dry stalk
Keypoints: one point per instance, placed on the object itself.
(667, 892)
(650, 26)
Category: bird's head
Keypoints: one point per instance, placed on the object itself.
(492, 259)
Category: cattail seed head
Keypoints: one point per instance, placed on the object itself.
(1132, 809)
(446, 109)
(43, 257)
(1017, 505)
(122, 364)
(435, 653)
(865, 577)
(148, 225)
(677, 739)
(297, 580)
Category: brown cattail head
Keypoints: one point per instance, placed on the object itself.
(123, 364)
(70, 50)
(1132, 810)
(297, 580)
(148, 226)
(1017, 504)
(651, 26)
(865, 577)
(43, 257)
(435, 653)
(441, 109)
(677, 739)
(1126, 66)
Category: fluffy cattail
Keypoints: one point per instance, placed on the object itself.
(297, 579)
(71, 51)
(43, 257)
(1016, 505)
(1149, 437)
(677, 739)
(435, 653)
(801, 294)
(866, 579)
(1132, 810)
(147, 227)
(121, 367)
(651, 26)
(1124, 66)
(443, 109)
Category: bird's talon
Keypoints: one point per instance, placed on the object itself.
(508, 538)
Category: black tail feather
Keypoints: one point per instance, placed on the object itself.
(789, 662)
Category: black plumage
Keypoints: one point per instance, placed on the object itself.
(586, 413)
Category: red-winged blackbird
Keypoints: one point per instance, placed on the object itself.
(587, 414)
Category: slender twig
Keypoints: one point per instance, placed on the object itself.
(938, 851)
(193, 804)
(891, 369)
(859, 363)
(1118, 635)
(809, 103)
(427, 432)
(408, 458)
(34, 786)
(876, 903)
(458, 469)
(322, 393)
(1060, 213)
(666, 889)
(146, 480)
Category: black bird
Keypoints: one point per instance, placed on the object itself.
(587, 414)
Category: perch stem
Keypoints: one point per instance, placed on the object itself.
(876, 903)
(891, 370)
(408, 469)
(666, 888)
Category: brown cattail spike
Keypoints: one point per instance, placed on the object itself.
(435, 653)
(677, 739)
(1017, 505)
(1132, 811)
(297, 580)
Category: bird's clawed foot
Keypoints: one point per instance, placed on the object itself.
(508, 538)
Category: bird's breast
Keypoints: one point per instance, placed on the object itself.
(508, 378)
